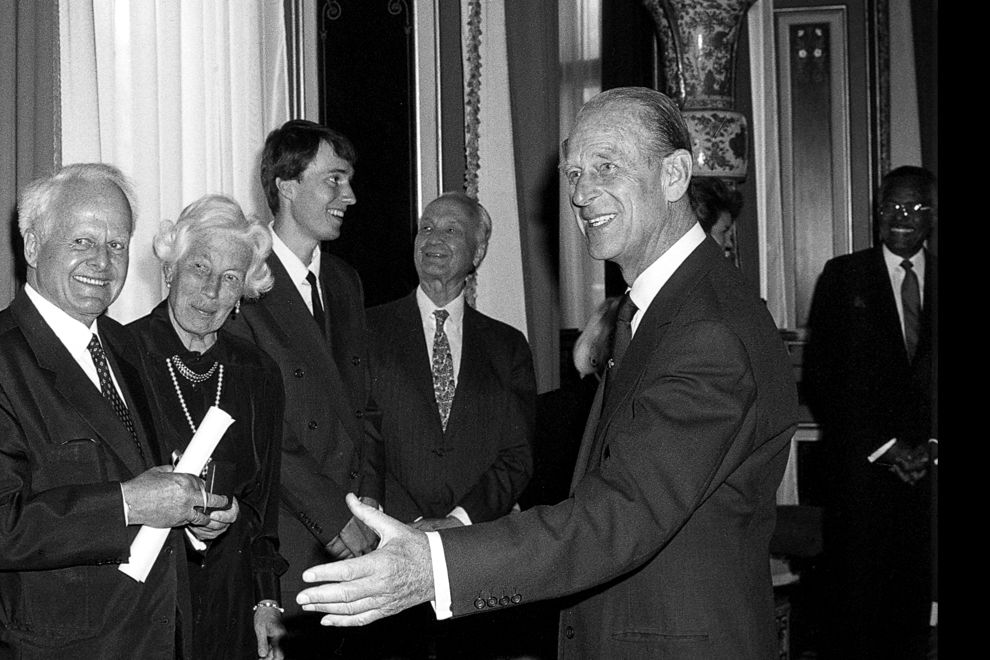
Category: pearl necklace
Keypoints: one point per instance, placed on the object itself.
(191, 375)
(175, 382)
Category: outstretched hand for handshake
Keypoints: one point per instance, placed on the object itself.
(396, 576)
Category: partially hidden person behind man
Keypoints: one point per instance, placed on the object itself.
(76, 447)
(457, 393)
(213, 256)
(717, 205)
(312, 323)
(663, 544)
(868, 370)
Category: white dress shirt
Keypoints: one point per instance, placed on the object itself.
(643, 290)
(297, 270)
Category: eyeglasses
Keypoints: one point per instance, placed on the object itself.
(895, 209)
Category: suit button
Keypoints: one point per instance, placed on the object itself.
(479, 604)
(298, 373)
(503, 601)
(516, 598)
(163, 620)
(569, 632)
(359, 414)
(356, 360)
(492, 601)
(168, 550)
(354, 474)
(313, 424)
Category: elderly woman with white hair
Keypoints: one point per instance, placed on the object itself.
(212, 257)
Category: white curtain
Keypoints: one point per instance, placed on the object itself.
(582, 279)
(500, 290)
(179, 94)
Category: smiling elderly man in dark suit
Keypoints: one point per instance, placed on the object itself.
(664, 542)
(76, 475)
(457, 393)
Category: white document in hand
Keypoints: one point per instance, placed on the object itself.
(149, 540)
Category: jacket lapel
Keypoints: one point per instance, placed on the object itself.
(295, 322)
(413, 357)
(289, 311)
(72, 384)
(122, 357)
(473, 360)
(649, 333)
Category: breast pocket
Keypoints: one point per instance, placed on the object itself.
(73, 462)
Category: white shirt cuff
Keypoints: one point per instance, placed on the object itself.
(461, 515)
(127, 509)
(881, 451)
(441, 583)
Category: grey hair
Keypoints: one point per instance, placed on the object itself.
(662, 124)
(34, 208)
(213, 214)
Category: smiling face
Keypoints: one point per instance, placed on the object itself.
(446, 248)
(206, 283)
(318, 199)
(618, 198)
(906, 217)
(81, 264)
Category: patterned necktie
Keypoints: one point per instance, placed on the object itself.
(110, 391)
(314, 291)
(623, 329)
(911, 301)
(443, 369)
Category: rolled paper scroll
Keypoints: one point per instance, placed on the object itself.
(149, 540)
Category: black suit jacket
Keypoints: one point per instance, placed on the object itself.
(663, 544)
(63, 455)
(860, 384)
(483, 461)
(331, 444)
(863, 391)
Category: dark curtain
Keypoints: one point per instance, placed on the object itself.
(531, 43)
(28, 117)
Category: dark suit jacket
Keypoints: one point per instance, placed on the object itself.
(860, 384)
(863, 391)
(63, 455)
(664, 542)
(331, 445)
(484, 459)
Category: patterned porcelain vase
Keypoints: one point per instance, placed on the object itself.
(698, 41)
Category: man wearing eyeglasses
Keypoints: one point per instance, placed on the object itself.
(871, 385)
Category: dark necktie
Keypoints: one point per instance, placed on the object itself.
(911, 301)
(110, 391)
(623, 329)
(443, 369)
(314, 292)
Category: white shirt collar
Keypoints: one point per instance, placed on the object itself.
(894, 262)
(74, 334)
(646, 287)
(293, 265)
(426, 308)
